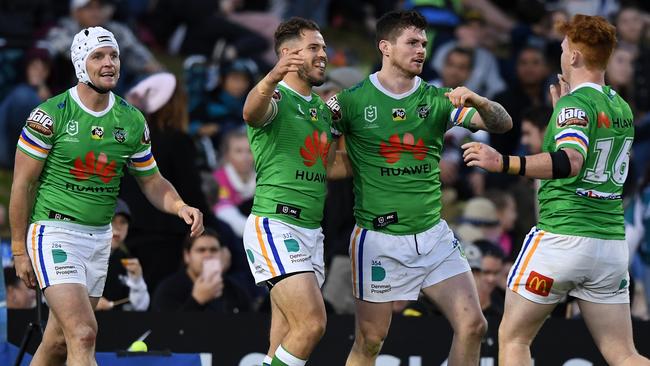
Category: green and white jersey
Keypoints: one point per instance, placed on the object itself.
(290, 153)
(599, 124)
(394, 144)
(85, 153)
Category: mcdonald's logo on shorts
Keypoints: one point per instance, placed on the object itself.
(539, 284)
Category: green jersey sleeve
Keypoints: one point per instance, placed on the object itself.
(37, 136)
(569, 125)
(141, 162)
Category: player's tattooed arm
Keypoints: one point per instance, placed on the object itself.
(491, 115)
(493, 118)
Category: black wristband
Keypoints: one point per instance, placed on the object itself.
(506, 163)
(522, 168)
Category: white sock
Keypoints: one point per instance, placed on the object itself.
(286, 357)
(267, 360)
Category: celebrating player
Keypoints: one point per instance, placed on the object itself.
(290, 137)
(394, 125)
(71, 155)
(578, 247)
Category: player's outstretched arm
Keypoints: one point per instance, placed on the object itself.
(258, 109)
(491, 116)
(164, 197)
(23, 190)
(563, 163)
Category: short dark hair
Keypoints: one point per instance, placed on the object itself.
(538, 116)
(463, 51)
(292, 29)
(189, 241)
(391, 24)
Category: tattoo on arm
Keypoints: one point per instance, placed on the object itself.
(495, 118)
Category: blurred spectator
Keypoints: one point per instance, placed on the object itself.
(528, 91)
(533, 127)
(485, 78)
(136, 60)
(492, 301)
(630, 24)
(24, 97)
(198, 27)
(507, 214)
(466, 182)
(255, 16)
(125, 288)
(203, 284)
(221, 111)
(620, 72)
(156, 238)
(236, 180)
(479, 221)
(457, 68)
(19, 296)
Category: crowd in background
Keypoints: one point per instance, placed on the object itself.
(188, 66)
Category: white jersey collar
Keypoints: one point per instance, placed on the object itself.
(305, 97)
(75, 97)
(588, 85)
(375, 81)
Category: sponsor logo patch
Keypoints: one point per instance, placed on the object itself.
(313, 114)
(392, 151)
(572, 117)
(315, 146)
(97, 132)
(40, 122)
(399, 114)
(539, 284)
(91, 165)
(335, 108)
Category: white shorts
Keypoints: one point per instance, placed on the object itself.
(396, 267)
(60, 255)
(550, 266)
(275, 248)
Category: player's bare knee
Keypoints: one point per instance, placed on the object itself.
(472, 328)
(312, 330)
(370, 345)
(84, 336)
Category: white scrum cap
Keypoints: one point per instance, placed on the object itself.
(84, 43)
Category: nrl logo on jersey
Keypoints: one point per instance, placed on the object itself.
(72, 127)
(370, 113)
(146, 135)
(40, 122)
(119, 134)
(313, 114)
(97, 132)
(572, 117)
